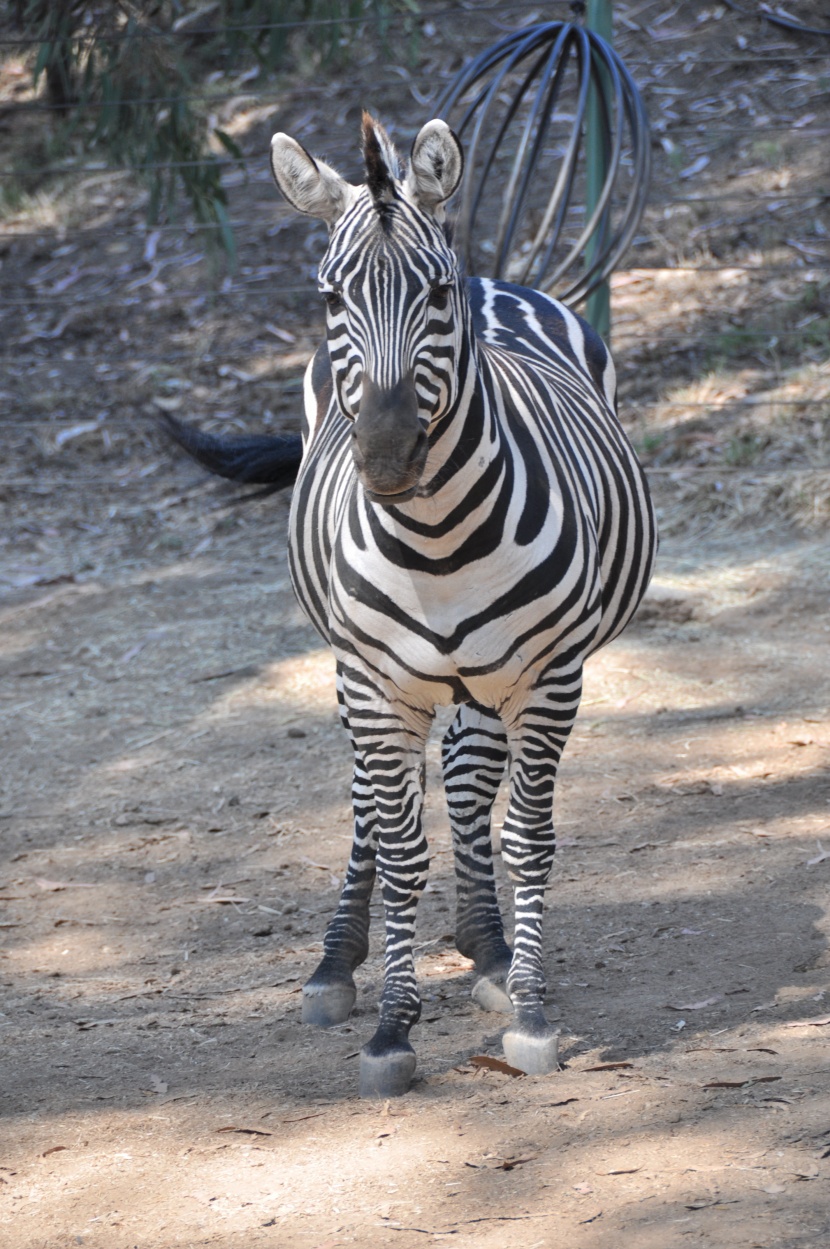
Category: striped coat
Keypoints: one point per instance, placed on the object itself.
(468, 525)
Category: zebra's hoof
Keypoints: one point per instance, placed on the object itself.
(325, 1005)
(536, 1053)
(386, 1075)
(490, 995)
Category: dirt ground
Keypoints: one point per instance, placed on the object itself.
(175, 825)
(174, 793)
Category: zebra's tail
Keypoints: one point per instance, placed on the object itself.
(264, 459)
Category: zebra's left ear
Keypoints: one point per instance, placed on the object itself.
(436, 164)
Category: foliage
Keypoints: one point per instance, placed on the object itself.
(124, 74)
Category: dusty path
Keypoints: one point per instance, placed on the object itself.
(175, 822)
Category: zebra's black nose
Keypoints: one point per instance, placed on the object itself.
(389, 443)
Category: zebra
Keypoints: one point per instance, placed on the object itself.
(469, 523)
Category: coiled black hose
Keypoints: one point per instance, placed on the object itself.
(507, 105)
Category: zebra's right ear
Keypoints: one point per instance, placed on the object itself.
(311, 186)
(436, 164)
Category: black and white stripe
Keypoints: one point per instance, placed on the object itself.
(469, 524)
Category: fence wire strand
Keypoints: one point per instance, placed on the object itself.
(37, 341)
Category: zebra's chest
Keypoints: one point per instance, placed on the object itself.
(479, 626)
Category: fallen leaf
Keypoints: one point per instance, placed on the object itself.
(156, 1084)
(495, 1064)
(248, 1131)
(138, 647)
(285, 335)
(56, 1149)
(706, 1205)
(696, 167)
(808, 1023)
(507, 1164)
(621, 1171)
(60, 578)
(75, 431)
(55, 886)
(820, 857)
(609, 1066)
(582, 1188)
(739, 1084)
(247, 670)
(709, 1001)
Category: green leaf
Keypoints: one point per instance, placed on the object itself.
(44, 56)
(229, 144)
(225, 232)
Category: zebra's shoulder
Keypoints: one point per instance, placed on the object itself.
(526, 322)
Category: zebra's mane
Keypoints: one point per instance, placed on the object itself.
(382, 166)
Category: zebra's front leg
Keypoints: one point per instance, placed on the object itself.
(537, 740)
(329, 995)
(474, 754)
(393, 755)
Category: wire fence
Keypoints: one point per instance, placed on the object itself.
(186, 28)
(35, 338)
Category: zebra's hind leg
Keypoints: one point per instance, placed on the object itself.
(329, 995)
(474, 754)
(537, 737)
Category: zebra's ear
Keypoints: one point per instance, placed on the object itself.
(311, 186)
(436, 164)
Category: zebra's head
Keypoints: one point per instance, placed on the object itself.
(393, 295)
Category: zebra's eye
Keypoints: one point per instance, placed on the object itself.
(334, 300)
(439, 296)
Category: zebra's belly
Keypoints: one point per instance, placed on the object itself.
(465, 648)
(418, 669)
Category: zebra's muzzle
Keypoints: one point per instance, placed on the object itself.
(389, 442)
(388, 500)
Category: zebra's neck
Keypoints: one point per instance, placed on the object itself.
(466, 455)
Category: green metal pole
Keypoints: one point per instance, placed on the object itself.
(598, 307)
